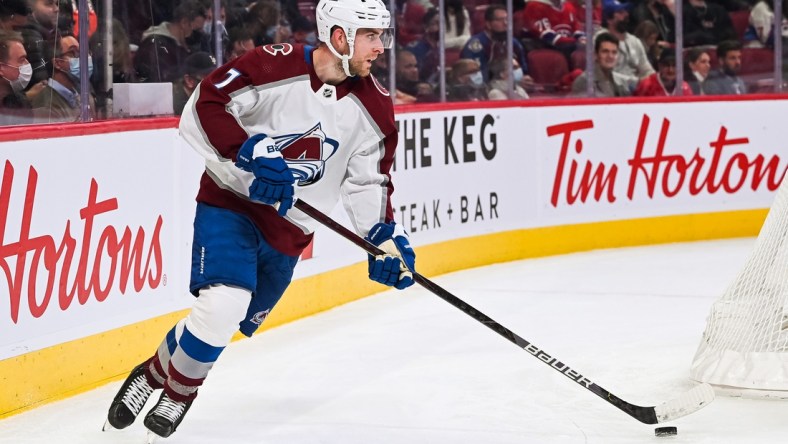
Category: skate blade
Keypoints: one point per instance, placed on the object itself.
(152, 438)
(107, 426)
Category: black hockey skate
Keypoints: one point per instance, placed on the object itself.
(131, 397)
(166, 415)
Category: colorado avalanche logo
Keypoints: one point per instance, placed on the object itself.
(307, 153)
(260, 316)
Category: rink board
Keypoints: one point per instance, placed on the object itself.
(474, 186)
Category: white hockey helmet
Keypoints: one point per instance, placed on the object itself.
(351, 15)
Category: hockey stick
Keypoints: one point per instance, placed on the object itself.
(689, 402)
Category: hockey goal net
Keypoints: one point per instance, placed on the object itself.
(744, 349)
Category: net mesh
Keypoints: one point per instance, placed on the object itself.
(745, 344)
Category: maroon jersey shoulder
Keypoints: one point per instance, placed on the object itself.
(377, 101)
(265, 64)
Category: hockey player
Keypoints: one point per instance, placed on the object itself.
(279, 117)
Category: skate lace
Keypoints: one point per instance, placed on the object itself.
(137, 394)
(172, 410)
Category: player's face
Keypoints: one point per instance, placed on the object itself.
(368, 46)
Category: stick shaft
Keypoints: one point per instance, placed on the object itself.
(646, 415)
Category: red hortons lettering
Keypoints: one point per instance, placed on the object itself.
(670, 173)
(125, 253)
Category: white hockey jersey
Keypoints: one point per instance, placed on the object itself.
(340, 140)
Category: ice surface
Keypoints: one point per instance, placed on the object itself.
(406, 367)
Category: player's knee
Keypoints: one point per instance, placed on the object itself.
(217, 312)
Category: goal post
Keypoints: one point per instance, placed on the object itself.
(744, 349)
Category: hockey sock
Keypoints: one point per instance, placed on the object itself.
(206, 332)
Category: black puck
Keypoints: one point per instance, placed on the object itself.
(666, 431)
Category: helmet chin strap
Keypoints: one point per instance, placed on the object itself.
(345, 58)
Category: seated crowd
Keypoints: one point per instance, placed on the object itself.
(733, 39)
(173, 41)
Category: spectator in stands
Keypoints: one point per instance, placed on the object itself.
(410, 26)
(760, 32)
(698, 67)
(663, 82)
(465, 82)
(204, 39)
(13, 14)
(14, 17)
(427, 48)
(499, 84)
(267, 24)
(304, 31)
(607, 82)
(39, 32)
(554, 23)
(659, 12)
(122, 61)
(380, 70)
(235, 15)
(60, 100)
(490, 44)
(596, 13)
(726, 79)
(15, 74)
(458, 24)
(44, 16)
(163, 48)
(632, 61)
(195, 68)
(410, 88)
(706, 23)
(648, 34)
(239, 42)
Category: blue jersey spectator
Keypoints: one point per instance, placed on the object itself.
(490, 44)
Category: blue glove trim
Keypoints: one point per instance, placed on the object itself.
(273, 181)
(388, 269)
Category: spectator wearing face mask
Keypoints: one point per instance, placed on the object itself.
(15, 74)
(267, 23)
(465, 82)
(163, 48)
(204, 39)
(499, 85)
(60, 99)
(632, 62)
(490, 44)
(304, 31)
